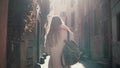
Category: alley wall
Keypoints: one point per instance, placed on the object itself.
(3, 31)
(115, 8)
(91, 27)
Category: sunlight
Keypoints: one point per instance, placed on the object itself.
(46, 63)
(77, 65)
(59, 5)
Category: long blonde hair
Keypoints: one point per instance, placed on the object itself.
(54, 32)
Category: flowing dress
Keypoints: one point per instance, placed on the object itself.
(56, 51)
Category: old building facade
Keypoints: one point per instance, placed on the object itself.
(94, 24)
(115, 10)
(19, 31)
(3, 32)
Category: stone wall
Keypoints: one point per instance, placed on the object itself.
(3, 31)
(93, 24)
(115, 7)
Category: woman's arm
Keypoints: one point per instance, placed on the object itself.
(68, 29)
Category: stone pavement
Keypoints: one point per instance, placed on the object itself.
(82, 64)
(93, 64)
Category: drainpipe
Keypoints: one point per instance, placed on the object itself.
(38, 44)
(38, 39)
(38, 36)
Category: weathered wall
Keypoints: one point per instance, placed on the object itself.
(100, 35)
(3, 32)
(91, 26)
(93, 23)
(115, 7)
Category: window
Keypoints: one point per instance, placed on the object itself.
(118, 26)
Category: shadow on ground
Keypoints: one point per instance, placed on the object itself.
(92, 64)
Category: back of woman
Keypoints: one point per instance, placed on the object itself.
(55, 42)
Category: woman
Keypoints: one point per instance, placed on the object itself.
(55, 42)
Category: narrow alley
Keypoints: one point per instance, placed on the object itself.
(34, 33)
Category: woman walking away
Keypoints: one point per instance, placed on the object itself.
(55, 42)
